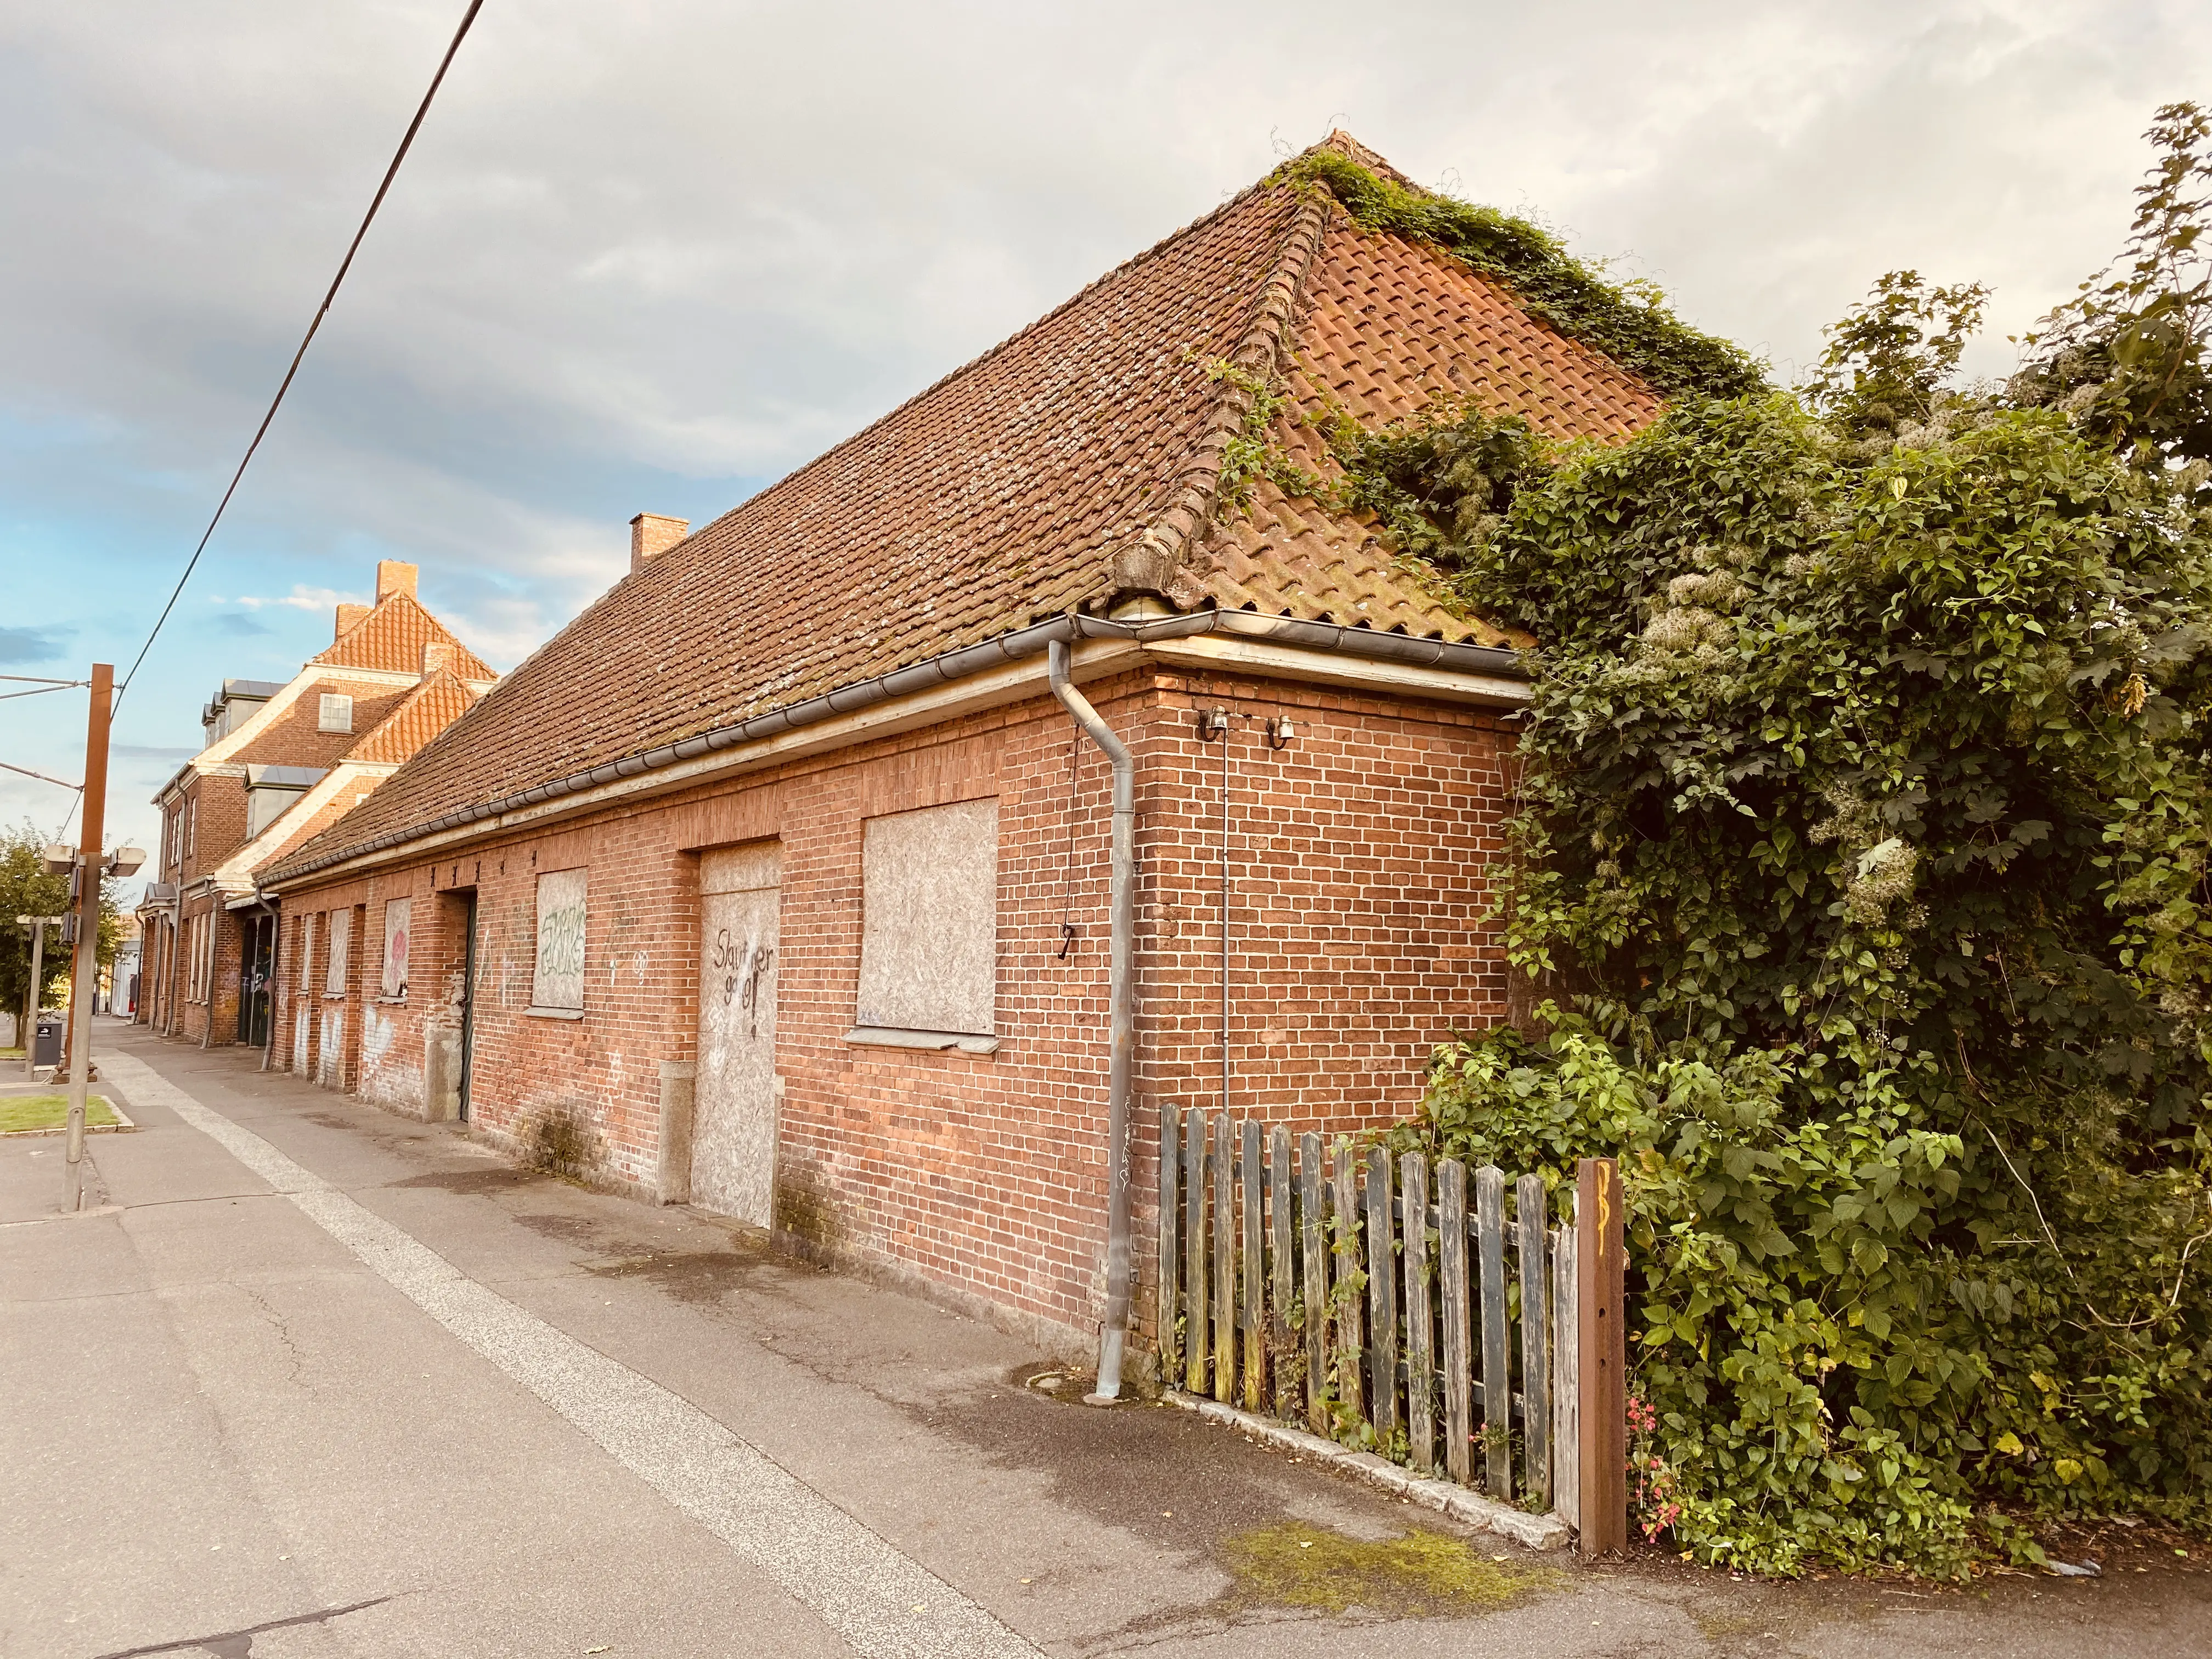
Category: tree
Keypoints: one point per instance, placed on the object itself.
(26, 889)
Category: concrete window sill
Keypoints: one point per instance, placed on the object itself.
(553, 1013)
(402, 997)
(334, 996)
(891, 1036)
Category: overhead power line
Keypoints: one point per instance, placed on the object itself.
(321, 311)
(41, 777)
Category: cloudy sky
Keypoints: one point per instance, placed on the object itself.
(648, 256)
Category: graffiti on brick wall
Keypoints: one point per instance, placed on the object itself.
(559, 980)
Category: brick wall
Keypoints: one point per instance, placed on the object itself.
(1357, 855)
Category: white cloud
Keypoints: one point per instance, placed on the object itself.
(301, 597)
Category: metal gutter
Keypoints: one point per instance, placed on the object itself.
(1371, 643)
(1121, 1017)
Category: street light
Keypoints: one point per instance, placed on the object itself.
(59, 857)
(126, 860)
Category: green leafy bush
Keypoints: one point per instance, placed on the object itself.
(1864, 849)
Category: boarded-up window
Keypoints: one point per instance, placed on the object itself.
(307, 951)
(334, 976)
(560, 979)
(395, 946)
(929, 935)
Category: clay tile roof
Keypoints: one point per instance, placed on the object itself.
(420, 715)
(391, 638)
(1077, 460)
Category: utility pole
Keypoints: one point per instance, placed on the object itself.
(37, 925)
(91, 868)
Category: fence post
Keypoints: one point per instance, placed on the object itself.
(1313, 1243)
(1451, 1285)
(1566, 1367)
(1420, 1355)
(1193, 1245)
(1224, 1259)
(1601, 1261)
(1531, 1232)
(1349, 1339)
(1496, 1341)
(1278, 1259)
(1381, 1299)
(1255, 1344)
(1167, 1296)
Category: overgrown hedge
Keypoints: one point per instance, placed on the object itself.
(1865, 850)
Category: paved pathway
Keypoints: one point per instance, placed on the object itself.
(317, 1381)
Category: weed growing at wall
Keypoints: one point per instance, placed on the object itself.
(1629, 322)
(1867, 850)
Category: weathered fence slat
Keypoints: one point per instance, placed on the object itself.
(1420, 1361)
(1169, 1294)
(1278, 1263)
(1530, 1234)
(1225, 1259)
(1381, 1298)
(1567, 1439)
(1194, 1331)
(1255, 1346)
(1313, 1227)
(1343, 1298)
(1451, 1240)
(1496, 1382)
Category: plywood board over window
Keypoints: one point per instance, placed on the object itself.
(334, 976)
(929, 938)
(395, 912)
(558, 986)
(307, 951)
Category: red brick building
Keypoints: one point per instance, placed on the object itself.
(282, 764)
(778, 881)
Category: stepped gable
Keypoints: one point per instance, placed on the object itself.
(420, 715)
(1077, 462)
(391, 640)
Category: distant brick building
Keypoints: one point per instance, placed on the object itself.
(777, 881)
(281, 763)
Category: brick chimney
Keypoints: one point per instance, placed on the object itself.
(393, 577)
(652, 535)
(436, 655)
(349, 617)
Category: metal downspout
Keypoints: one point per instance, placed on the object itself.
(1121, 1020)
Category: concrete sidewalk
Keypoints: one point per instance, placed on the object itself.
(315, 1380)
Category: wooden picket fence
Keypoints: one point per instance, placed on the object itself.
(1449, 1305)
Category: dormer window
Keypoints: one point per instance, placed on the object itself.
(336, 713)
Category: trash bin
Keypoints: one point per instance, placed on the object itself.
(46, 1040)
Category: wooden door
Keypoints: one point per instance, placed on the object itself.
(734, 1127)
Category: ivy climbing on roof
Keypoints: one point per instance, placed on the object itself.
(1629, 323)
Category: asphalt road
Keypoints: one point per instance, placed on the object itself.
(312, 1380)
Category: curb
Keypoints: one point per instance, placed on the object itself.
(1537, 1532)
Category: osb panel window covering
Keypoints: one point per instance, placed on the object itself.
(334, 974)
(929, 919)
(559, 983)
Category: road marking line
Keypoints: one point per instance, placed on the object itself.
(877, 1599)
